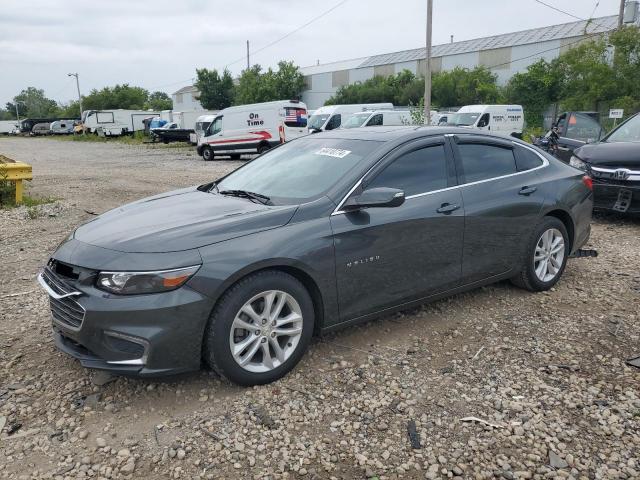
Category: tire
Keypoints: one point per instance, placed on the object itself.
(235, 156)
(222, 330)
(207, 154)
(263, 148)
(530, 277)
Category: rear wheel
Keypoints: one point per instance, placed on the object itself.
(207, 154)
(263, 148)
(260, 328)
(546, 256)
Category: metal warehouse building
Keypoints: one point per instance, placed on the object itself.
(504, 55)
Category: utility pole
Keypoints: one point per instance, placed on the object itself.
(79, 96)
(17, 114)
(621, 13)
(248, 55)
(427, 76)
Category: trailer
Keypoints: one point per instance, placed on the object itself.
(116, 122)
(26, 125)
(8, 126)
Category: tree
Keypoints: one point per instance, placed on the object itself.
(119, 96)
(159, 101)
(216, 91)
(462, 86)
(32, 102)
(535, 90)
(254, 86)
(401, 89)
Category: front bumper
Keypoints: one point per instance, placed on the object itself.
(608, 196)
(144, 335)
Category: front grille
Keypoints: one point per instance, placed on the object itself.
(66, 311)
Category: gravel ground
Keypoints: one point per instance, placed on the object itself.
(543, 375)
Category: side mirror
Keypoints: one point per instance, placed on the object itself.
(375, 197)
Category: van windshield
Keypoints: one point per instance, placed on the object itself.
(356, 120)
(462, 119)
(300, 170)
(317, 121)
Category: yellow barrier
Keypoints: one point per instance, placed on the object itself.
(15, 172)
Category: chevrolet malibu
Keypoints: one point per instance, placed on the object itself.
(319, 233)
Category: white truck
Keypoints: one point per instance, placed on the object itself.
(8, 126)
(253, 128)
(332, 116)
(503, 119)
(115, 122)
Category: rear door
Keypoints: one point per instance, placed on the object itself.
(576, 129)
(387, 256)
(503, 197)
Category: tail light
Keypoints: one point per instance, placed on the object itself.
(588, 181)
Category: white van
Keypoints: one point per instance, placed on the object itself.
(115, 122)
(253, 128)
(503, 119)
(378, 118)
(332, 116)
(8, 126)
(202, 123)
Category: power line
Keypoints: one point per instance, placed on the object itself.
(326, 12)
(588, 20)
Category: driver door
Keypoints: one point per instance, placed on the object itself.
(388, 256)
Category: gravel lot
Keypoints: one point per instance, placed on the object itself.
(386, 399)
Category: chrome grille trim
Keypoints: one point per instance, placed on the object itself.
(65, 311)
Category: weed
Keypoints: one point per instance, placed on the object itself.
(7, 187)
(32, 212)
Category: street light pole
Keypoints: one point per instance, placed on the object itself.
(427, 76)
(621, 13)
(79, 96)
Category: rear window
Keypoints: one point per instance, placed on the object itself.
(526, 159)
(295, 117)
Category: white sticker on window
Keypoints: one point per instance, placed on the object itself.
(333, 152)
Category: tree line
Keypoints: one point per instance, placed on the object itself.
(32, 102)
(598, 73)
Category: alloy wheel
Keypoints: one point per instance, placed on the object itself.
(549, 255)
(266, 331)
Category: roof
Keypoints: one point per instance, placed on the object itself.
(534, 35)
(186, 89)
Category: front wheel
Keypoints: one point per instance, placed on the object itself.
(546, 256)
(207, 154)
(260, 328)
(263, 148)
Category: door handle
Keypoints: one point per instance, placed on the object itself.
(527, 190)
(447, 208)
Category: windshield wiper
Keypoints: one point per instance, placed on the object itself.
(246, 194)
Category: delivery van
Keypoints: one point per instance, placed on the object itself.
(503, 119)
(378, 118)
(332, 116)
(253, 128)
(202, 123)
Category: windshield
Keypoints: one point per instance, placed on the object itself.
(300, 170)
(317, 121)
(629, 131)
(356, 120)
(202, 126)
(463, 119)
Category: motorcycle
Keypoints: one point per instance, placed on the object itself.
(548, 143)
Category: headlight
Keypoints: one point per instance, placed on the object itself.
(576, 162)
(131, 283)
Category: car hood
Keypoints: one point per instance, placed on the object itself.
(180, 220)
(619, 154)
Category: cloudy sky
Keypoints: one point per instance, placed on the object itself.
(158, 44)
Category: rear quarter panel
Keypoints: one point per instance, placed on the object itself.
(565, 191)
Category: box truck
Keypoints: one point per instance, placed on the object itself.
(115, 122)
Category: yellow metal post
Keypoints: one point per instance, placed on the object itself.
(18, 191)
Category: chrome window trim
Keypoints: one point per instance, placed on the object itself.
(545, 163)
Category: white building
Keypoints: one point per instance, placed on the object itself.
(504, 55)
(186, 99)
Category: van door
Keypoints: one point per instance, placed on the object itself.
(334, 122)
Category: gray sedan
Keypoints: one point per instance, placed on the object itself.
(321, 232)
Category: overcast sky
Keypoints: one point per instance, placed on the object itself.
(158, 44)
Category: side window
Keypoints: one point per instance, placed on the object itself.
(216, 126)
(375, 120)
(419, 171)
(526, 159)
(480, 162)
(484, 120)
(334, 122)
